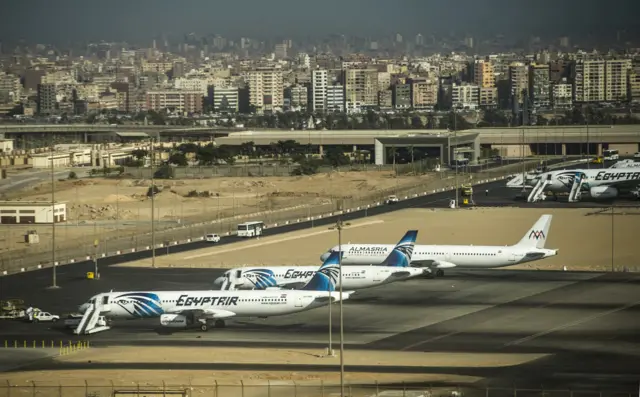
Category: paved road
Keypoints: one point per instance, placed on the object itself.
(586, 322)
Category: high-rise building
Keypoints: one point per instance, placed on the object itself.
(298, 96)
(47, 101)
(401, 96)
(539, 86)
(518, 81)
(10, 87)
(589, 81)
(281, 50)
(616, 80)
(266, 91)
(419, 40)
(562, 94)
(180, 102)
(319, 83)
(225, 99)
(483, 74)
(124, 94)
(488, 97)
(424, 93)
(634, 81)
(335, 98)
(559, 70)
(361, 87)
(465, 96)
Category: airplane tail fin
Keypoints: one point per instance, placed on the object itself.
(326, 277)
(401, 254)
(538, 234)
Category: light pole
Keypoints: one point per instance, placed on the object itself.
(54, 285)
(153, 210)
(96, 274)
(612, 240)
(455, 151)
(339, 226)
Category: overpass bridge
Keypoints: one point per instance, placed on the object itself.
(509, 141)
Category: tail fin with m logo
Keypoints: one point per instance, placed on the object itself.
(537, 236)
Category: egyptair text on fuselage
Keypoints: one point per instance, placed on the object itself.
(616, 176)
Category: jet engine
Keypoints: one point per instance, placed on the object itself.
(174, 321)
(603, 192)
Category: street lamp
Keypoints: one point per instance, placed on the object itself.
(153, 210)
(53, 215)
(339, 226)
(96, 274)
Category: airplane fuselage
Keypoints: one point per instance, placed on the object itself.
(353, 277)
(463, 256)
(150, 304)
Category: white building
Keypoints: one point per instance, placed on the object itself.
(562, 95)
(319, 83)
(24, 212)
(191, 84)
(616, 80)
(266, 90)
(465, 96)
(225, 98)
(335, 98)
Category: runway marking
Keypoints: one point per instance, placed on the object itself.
(571, 324)
(281, 240)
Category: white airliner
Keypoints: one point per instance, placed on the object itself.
(598, 183)
(181, 309)
(439, 257)
(395, 267)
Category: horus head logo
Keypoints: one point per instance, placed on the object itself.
(536, 234)
(264, 278)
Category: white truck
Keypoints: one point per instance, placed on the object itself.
(212, 238)
(73, 320)
(40, 316)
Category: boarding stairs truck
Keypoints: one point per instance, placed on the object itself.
(537, 193)
(576, 188)
(90, 323)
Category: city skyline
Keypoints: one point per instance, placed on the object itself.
(72, 21)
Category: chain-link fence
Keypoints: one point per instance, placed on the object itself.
(102, 239)
(281, 389)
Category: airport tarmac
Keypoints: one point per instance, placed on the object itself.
(587, 321)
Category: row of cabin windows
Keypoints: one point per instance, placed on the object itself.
(454, 254)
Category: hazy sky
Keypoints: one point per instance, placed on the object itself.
(61, 21)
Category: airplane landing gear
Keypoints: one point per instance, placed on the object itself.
(204, 327)
(439, 273)
(220, 324)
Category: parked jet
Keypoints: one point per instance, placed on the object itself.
(439, 257)
(394, 267)
(181, 309)
(598, 183)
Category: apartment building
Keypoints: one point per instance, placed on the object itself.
(191, 84)
(319, 84)
(488, 97)
(266, 91)
(465, 96)
(634, 82)
(335, 98)
(124, 96)
(518, 81)
(589, 81)
(47, 101)
(539, 86)
(562, 94)
(616, 80)
(10, 87)
(483, 74)
(225, 99)
(180, 102)
(298, 96)
(424, 93)
(361, 87)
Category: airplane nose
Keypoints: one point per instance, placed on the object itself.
(325, 256)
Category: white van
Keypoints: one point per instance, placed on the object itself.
(212, 238)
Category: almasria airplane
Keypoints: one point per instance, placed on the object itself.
(182, 309)
(393, 267)
(438, 257)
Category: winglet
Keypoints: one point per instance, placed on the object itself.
(326, 277)
(538, 234)
(401, 254)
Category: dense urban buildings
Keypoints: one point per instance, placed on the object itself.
(221, 75)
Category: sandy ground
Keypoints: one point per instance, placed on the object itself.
(264, 356)
(105, 209)
(583, 238)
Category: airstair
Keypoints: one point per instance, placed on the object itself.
(232, 281)
(537, 193)
(89, 322)
(576, 188)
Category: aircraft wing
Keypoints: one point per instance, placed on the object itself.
(433, 264)
(208, 313)
(292, 285)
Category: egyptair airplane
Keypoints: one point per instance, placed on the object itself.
(600, 184)
(182, 309)
(438, 257)
(394, 267)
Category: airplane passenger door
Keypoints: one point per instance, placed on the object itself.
(105, 303)
(299, 301)
(512, 257)
(377, 275)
